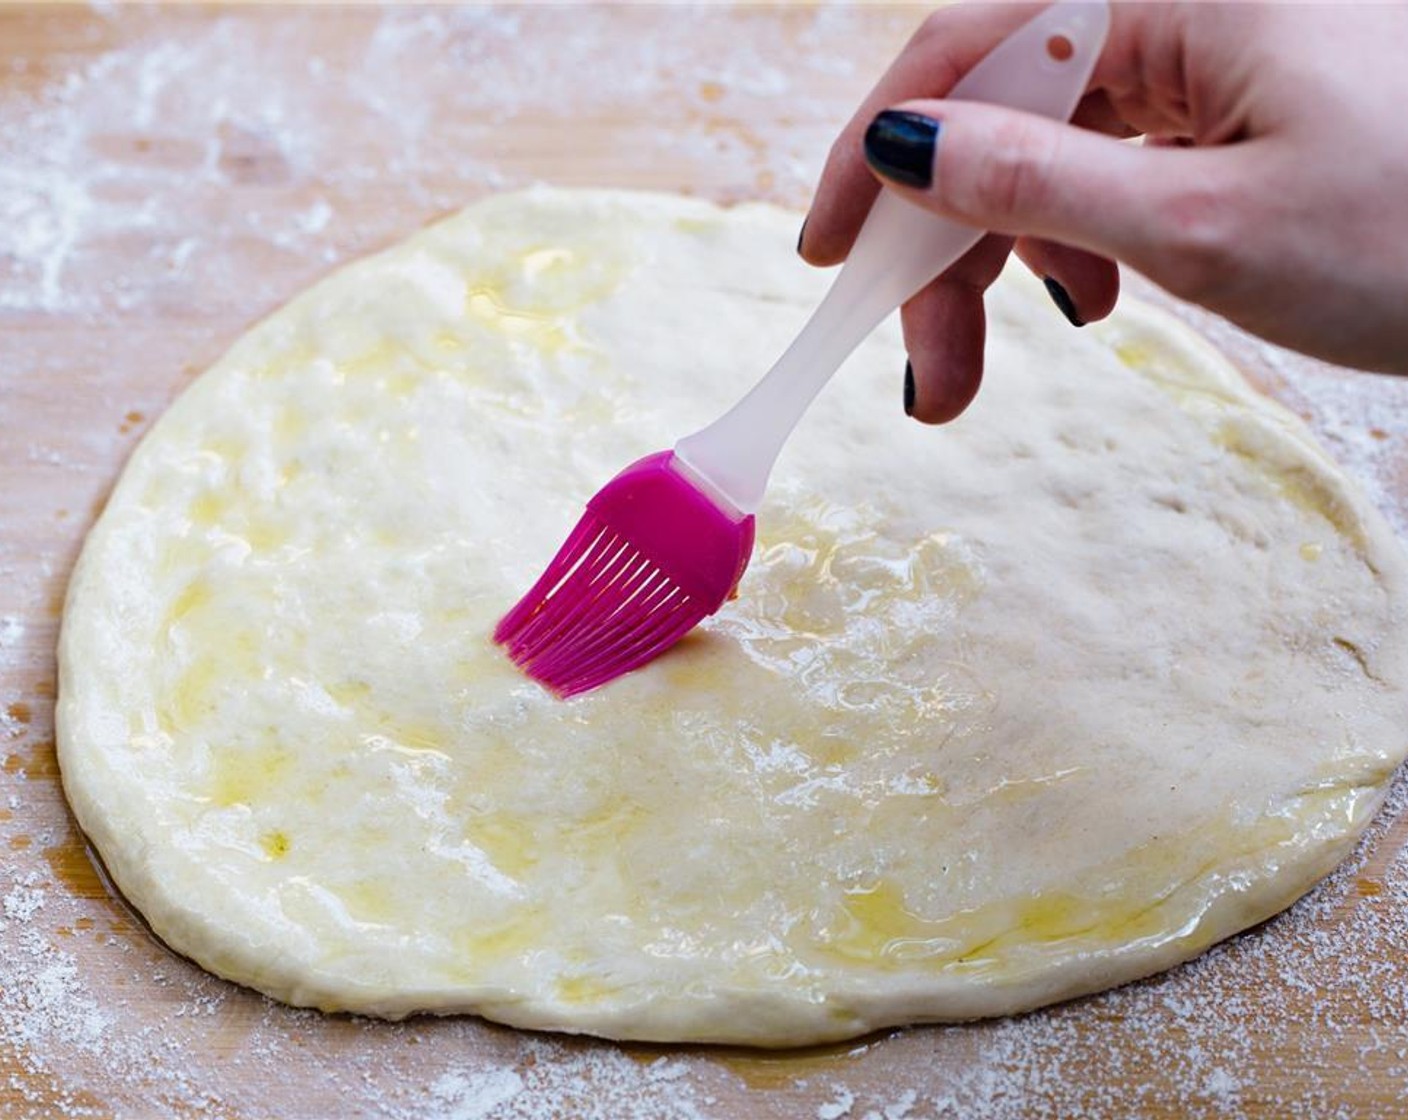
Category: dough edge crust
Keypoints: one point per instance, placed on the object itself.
(762, 1018)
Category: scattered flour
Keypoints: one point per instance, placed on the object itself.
(474, 1096)
(11, 631)
(116, 177)
(24, 900)
(837, 1107)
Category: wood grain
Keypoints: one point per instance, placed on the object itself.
(171, 174)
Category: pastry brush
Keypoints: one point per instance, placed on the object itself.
(663, 545)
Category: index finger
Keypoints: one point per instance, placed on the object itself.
(947, 45)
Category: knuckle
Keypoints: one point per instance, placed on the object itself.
(1012, 174)
(1201, 228)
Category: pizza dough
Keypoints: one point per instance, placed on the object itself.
(1043, 701)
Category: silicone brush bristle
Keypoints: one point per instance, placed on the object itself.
(608, 610)
(652, 557)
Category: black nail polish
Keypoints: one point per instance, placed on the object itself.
(900, 146)
(801, 233)
(908, 388)
(1062, 299)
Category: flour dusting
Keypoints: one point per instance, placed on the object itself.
(162, 159)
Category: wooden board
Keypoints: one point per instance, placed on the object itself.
(167, 176)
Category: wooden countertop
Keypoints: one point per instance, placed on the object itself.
(170, 174)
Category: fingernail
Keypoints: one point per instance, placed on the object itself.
(900, 146)
(1062, 299)
(801, 235)
(908, 388)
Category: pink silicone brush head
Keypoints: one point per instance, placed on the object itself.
(651, 558)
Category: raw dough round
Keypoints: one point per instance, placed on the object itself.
(1043, 701)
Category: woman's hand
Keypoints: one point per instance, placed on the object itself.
(1271, 186)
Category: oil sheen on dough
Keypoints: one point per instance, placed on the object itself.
(1043, 701)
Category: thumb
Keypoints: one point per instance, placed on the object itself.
(1170, 212)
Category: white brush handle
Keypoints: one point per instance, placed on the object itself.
(1042, 68)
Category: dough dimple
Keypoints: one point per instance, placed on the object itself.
(1042, 701)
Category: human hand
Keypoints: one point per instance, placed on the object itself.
(1271, 187)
